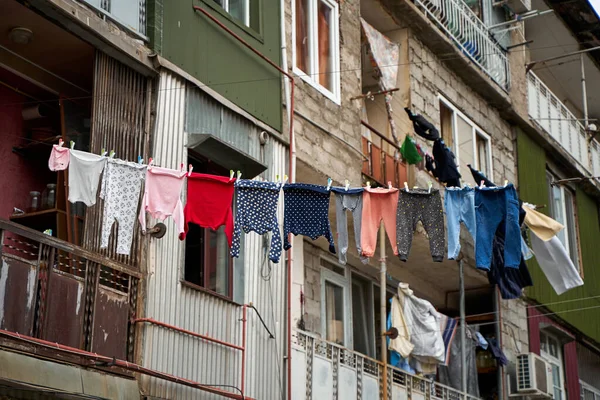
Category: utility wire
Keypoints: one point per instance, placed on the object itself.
(437, 59)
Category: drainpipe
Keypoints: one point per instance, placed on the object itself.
(292, 163)
(382, 300)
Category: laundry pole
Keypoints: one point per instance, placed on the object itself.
(382, 300)
(463, 327)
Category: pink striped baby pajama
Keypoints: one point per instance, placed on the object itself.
(162, 196)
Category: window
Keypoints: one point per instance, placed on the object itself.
(551, 351)
(363, 325)
(588, 392)
(468, 142)
(131, 14)
(316, 44)
(245, 11)
(207, 260)
(335, 300)
(562, 209)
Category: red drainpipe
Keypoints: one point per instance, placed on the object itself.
(291, 176)
(123, 364)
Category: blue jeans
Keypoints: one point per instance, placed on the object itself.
(492, 206)
(460, 207)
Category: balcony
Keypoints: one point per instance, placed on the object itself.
(131, 14)
(61, 293)
(470, 35)
(323, 370)
(380, 164)
(552, 116)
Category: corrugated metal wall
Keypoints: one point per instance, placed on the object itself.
(171, 302)
(532, 188)
(120, 122)
(589, 366)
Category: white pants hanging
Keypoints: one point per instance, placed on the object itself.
(121, 186)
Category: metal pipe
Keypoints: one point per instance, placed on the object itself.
(291, 173)
(527, 15)
(382, 299)
(369, 94)
(463, 327)
(584, 94)
(375, 131)
(198, 335)
(530, 65)
(123, 364)
(242, 384)
(498, 310)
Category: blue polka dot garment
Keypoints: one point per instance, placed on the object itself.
(306, 213)
(256, 208)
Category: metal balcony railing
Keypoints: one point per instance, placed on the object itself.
(327, 371)
(550, 114)
(131, 13)
(470, 35)
(381, 166)
(61, 293)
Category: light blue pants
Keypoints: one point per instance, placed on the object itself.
(460, 207)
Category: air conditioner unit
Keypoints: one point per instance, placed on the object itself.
(534, 376)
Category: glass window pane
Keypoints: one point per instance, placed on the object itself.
(553, 347)
(218, 261)
(543, 346)
(325, 22)
(482, 155)
(464, 136)
(303, 44)
(362, 317)
(334, 313)
(254, 14)
(127, 12)
(238, 10)
(571, 227)
(220, 2)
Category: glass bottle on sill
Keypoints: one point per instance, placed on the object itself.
(34, 201)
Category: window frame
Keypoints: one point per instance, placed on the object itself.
(345, 284)
(571, 223)
(586, 386)
(334, 95)
(557, 360)
(476, 131)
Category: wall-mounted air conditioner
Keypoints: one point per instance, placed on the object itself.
(533, 377)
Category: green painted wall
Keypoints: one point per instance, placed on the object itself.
(568, 306)
(197, 45)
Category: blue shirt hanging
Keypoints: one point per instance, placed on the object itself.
(306, 213)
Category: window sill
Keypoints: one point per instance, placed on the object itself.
(208, 291)
(214, 6)
(325, 92)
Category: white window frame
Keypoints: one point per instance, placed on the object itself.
(476, 131)
(344, 282)
(246, 20)
(589, 388)
(314, 53)
(558, 361)
(570, 237)
(367, 304)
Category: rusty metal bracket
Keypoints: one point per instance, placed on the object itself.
(158, 231)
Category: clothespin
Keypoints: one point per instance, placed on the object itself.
(60, 142)
(150, 161)
(103, 152)
(329, 182)
(390, 185)
(368, 184)
(277, 178)
(72, 145)
(481, 184)
(347, 185)
(406, 186)
(506, 182)
(191, 168)
(429, 185)
(140, 159)
(467, 185)
(239, 174)
(231, 174)
(112, 154)
(285, 178)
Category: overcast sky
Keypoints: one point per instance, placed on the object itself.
(596, 5)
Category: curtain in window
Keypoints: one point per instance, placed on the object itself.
(324, 27)
(302, 57)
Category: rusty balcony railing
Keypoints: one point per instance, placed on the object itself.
(381, 166)
(62, 293)
(327, 371)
